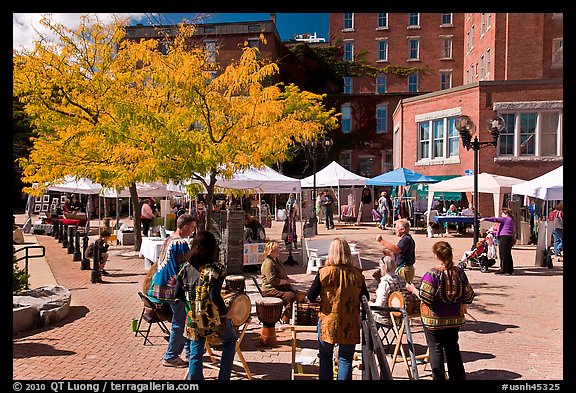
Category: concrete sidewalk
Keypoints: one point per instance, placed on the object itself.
(517, 335)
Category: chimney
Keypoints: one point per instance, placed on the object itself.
(273, 18)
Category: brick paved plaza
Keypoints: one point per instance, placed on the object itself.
(517, 335)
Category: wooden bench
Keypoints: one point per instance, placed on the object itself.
(317, 252)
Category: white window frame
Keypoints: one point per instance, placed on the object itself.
(417, 40)
(379, 41)
(427, 147)
(472, 37)
(383, 76)
(482, 70)
(449, 24)
(346, 108)
(351, 19)
(351, 43)
(384, 129)
(410, 16)
(446, 44)
(210, 51)
(348, 85)
(488, 62)
(412, 82)
(558, 52)
(482, 24)
(387, 163)
(517, 109)
(447, 82)
(379, 18)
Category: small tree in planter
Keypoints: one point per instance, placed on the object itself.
(19, 277)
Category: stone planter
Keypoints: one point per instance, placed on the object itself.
(40, 307)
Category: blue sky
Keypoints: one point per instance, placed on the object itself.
(288, 24)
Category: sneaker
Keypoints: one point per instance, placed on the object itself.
(104, 272)
(176, 362)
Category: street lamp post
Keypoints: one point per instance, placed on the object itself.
(311, 148)
(464, 125)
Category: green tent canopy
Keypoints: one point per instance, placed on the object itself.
(422, 190)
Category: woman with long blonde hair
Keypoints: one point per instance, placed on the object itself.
(340, 286)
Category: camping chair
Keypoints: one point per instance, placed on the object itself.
(152, 313)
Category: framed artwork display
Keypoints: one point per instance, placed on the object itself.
(54, 200)
(38, 199)
(63, 199)
(53, 207)
(44, 207)
(46, 199)
(37, 208)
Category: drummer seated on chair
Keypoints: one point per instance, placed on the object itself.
(275, 280)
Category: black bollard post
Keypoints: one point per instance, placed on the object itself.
(65, 237)
(60, 230)
(55, 227)
(85, 263)
(71, 231)
(96, 275)
(77, 254)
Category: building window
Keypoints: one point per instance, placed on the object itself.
(442, 142)
(467, 77)
(423, 140)
(413, 83)
(472, 37)
(381, 83)
(210, 47)
(347, 85)
(211, 76)
(445, 80)
(346, 160)
(346, 118)
(447, 19)
(446, 48)
(255, 43)
(413, 49)
(557, 52)
(366, 166)
(467, 41)
(382, 20)
(164, 47)
(348, 21)
(382, 50)
(487, 62)
(253, 28)
(348, 50)
(209, 29)
(531, 134)
(488, 21)
(482, 74)
(413, 19)
(381, 118)
(453, 137)
(387, 164)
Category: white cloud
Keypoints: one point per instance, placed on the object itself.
(25, 26)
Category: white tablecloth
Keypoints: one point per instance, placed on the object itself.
(150, 250)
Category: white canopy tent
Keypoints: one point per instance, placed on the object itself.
(263, 181)
(549, 187)
(487, 183)
(78, 185)
(334, 175)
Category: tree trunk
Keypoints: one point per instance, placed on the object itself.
(209, 200)
(136, 207)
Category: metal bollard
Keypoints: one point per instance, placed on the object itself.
(60, 230)
(85, 263)
(55, 228)
(65, 236)
(96, 276)
(77, 254)
(71, 231)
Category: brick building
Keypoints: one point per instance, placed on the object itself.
(431, 44)
(528, 95)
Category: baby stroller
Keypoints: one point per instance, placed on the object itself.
(483, 256)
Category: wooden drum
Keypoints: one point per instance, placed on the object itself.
(236, 283)
(239, 307)
(269, 311)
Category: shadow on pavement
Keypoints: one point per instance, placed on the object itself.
(493, 375)
(75, 312)
(486, 327)
(31, 349)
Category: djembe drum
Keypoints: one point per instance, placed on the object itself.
(236, 283)
(239, 307)
(269, 311)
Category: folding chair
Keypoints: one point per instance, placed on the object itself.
(152, 313)
(401, 327)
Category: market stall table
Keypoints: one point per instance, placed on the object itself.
(454, 219)
(150, 249)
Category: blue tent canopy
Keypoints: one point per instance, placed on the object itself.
(400, 177)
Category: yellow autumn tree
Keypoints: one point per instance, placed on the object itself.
(119, 111)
